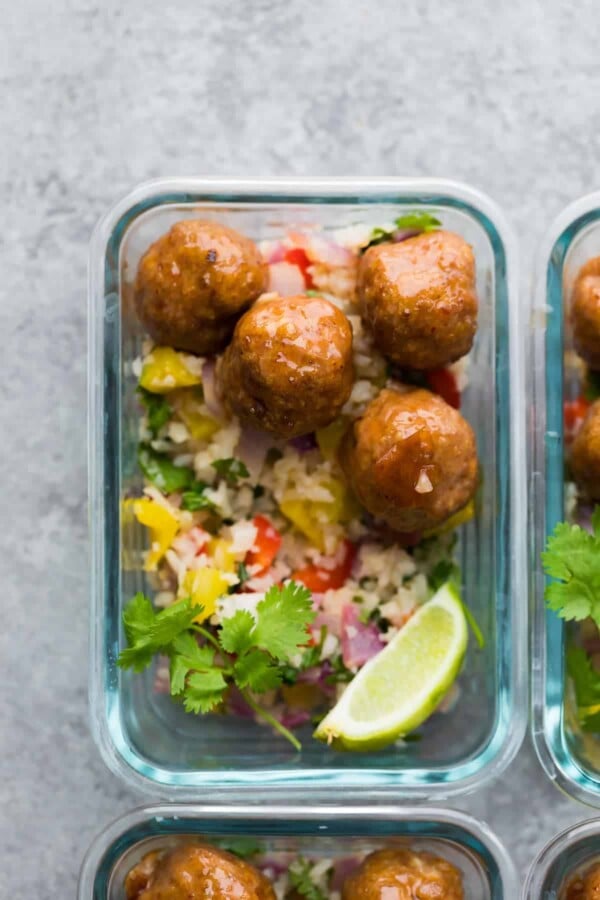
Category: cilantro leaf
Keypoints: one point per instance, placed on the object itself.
(195, 498)
(282, 618)
(235, 635)
(443, 571)
(419, 221)
(148, 635)
(187, 657)
(256, 671)
(586, 682)
(163, 473)
(300, 875)
(244, 847)
(231, 469)
(158, 409)
(204, 691)
(572, 556)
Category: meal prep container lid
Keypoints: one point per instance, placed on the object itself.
(561, 857)
(329, 821)
(544, 380)
(387, 784)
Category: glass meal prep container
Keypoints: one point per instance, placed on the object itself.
(487, 870)
(146, 738)
(570, 756)
(567, 855)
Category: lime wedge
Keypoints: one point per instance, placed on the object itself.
(400, 687)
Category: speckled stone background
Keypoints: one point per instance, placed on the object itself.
(97, 97)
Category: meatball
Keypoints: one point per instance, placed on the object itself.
(411, 459)
(193, 284)
(586, 886)
(418, 299)
(585, 453)
(194, 872)
(288, 369)
(585, 313)
(403, 874)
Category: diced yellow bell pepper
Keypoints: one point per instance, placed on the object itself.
(309, 515)
(204, 587)
(163, 527)
(459, 518)
(164, 370)
(200, 426)
(219, 551)
(330, 437)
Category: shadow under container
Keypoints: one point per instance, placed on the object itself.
(567, 855)
(144, 737)
(570, 756)
(328, 832)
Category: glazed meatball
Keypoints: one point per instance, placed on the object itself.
(586, 886)
(585, 313)
(193, 284)
(585, 453)
(404, 875)
(194, 872)
(411, 459)
(418, 299)
(288, 369)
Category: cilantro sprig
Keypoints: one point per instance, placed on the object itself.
(195, 498)
(300, 875)
(248, 651)
(418, 220)
(572, 559)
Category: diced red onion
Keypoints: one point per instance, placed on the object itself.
(238, 705)
(252, 449)
(320, 249)
(402, 234)
(342, 868)
(286, 279)
(209, 387)
(304, 442)
(276, 253)
(293, 718)
(360, 642)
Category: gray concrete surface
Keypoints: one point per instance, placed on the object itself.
(96, 97)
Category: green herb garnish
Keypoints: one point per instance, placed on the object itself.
(158, 409)
(300, 874)
(572, 558)
(248, 651)
(413, 221)
(196, 498)
(158, 468)
(231, 470)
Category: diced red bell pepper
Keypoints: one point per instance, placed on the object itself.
(574, 412)
(266, 545)
(297, 257)
(319, 579)
(443, 382)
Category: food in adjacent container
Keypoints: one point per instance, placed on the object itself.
(585, 453)
(196, 871)
(411, 459)
(301, 501)
(288, 369)
(417, 297)
(585, 886)
(194, 282)
(585, 313)
(572, 554)
(403, 874)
